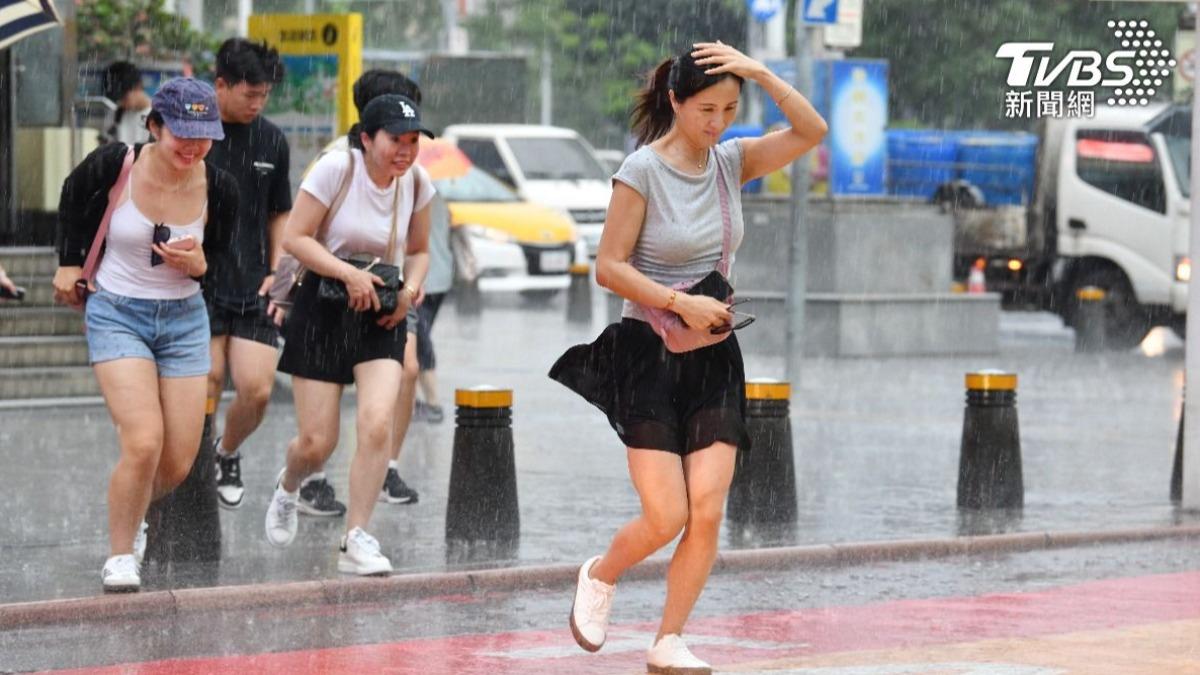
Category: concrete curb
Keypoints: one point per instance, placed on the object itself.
(343, 591)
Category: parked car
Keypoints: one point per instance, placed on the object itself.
(551, 166)
(518, 246)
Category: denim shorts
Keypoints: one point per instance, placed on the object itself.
(172, 333)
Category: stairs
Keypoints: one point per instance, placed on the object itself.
(43, 354)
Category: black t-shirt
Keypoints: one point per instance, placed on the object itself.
(256, 154)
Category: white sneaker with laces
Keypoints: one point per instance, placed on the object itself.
(120, 574)
(139, 543)
(282, 520)
(670, 656)
(589, 612)
(360, 555)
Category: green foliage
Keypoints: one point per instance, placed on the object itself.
(138, 30)
(943, 71)
(600, 49)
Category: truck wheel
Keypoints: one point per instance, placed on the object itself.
(1126, 322)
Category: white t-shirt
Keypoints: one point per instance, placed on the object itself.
(364, 220)
(132, 130)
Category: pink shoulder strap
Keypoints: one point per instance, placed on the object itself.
(114, 195)
(726, 221)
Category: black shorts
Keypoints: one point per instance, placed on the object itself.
(251, 324)
(656, 399)
(324, 341)
(426, 314)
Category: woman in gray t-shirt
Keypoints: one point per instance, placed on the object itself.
(679, 414)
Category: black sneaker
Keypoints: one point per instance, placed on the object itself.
(434, 414)
(317, 499)
(229, 481)
(395, 491)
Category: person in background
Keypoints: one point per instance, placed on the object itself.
(244, 338)
(147, 326)
(437, 285)
(123, 86)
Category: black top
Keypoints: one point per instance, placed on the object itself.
(256, 154)
(85, 197)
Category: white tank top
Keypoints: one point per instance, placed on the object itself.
(125, 268)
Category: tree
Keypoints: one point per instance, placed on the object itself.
(138, 30)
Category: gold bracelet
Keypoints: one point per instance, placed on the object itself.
(671, 301)
(785, 96)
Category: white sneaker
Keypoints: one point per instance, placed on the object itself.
(589, 611)
(360, 555)
(670, 656)
(120, 574)
(282, 520)
(139, 543)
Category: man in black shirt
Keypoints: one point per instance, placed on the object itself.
(244, 339)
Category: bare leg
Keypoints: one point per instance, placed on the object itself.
(318, 414)
(182, 401)
(218, 348)
(708, 473)
(252, 365)
(428, 382)
(658, 477)
(378, 384)
(130, 388)
(408, 394)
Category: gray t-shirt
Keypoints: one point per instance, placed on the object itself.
(681, 235)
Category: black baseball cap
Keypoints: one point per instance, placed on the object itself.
(393, 113)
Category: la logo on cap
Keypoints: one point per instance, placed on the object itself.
(407, 110)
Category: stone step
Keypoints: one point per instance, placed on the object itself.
(28, 261)
(42, 351)
(57, 382)
(16, 321)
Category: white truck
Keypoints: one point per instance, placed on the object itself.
(1110, 209)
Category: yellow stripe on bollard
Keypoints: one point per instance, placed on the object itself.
(1090, 293)
(991, 380)
(581, 268)
(483, 397)
(768, 390)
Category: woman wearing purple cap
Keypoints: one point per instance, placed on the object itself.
(147, 326)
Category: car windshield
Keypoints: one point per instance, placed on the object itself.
(556, 159)
(1180, 150)
(474, 186)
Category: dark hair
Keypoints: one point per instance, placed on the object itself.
(154, 117)
(120, 78)
(373, 84)
(240, 60)
(652, 114)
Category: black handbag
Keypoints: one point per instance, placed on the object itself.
(334, 291)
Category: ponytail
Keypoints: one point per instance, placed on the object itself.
(652, 114)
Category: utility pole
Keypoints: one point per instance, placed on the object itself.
(798, 254)
(1191, 405)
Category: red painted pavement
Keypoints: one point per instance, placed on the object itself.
(768, 636)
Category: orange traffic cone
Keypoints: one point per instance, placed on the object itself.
(975, 280)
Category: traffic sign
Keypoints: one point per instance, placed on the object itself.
(820, 12)
(847, 32)
(764, 10)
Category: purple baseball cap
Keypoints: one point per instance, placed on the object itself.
(189, 108)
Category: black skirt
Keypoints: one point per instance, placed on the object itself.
(656, 399)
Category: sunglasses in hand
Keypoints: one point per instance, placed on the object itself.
(162, 234)
(736, 324)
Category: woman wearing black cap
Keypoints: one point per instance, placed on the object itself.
(675, 218)
(372, 202)
(147, 326)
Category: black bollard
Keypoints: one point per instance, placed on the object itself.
(989, 463)
(184, 526)
(482, 504)
(468, 301)
(1177, 467)
(763, 493)
(579, 294)
(1091, 321)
